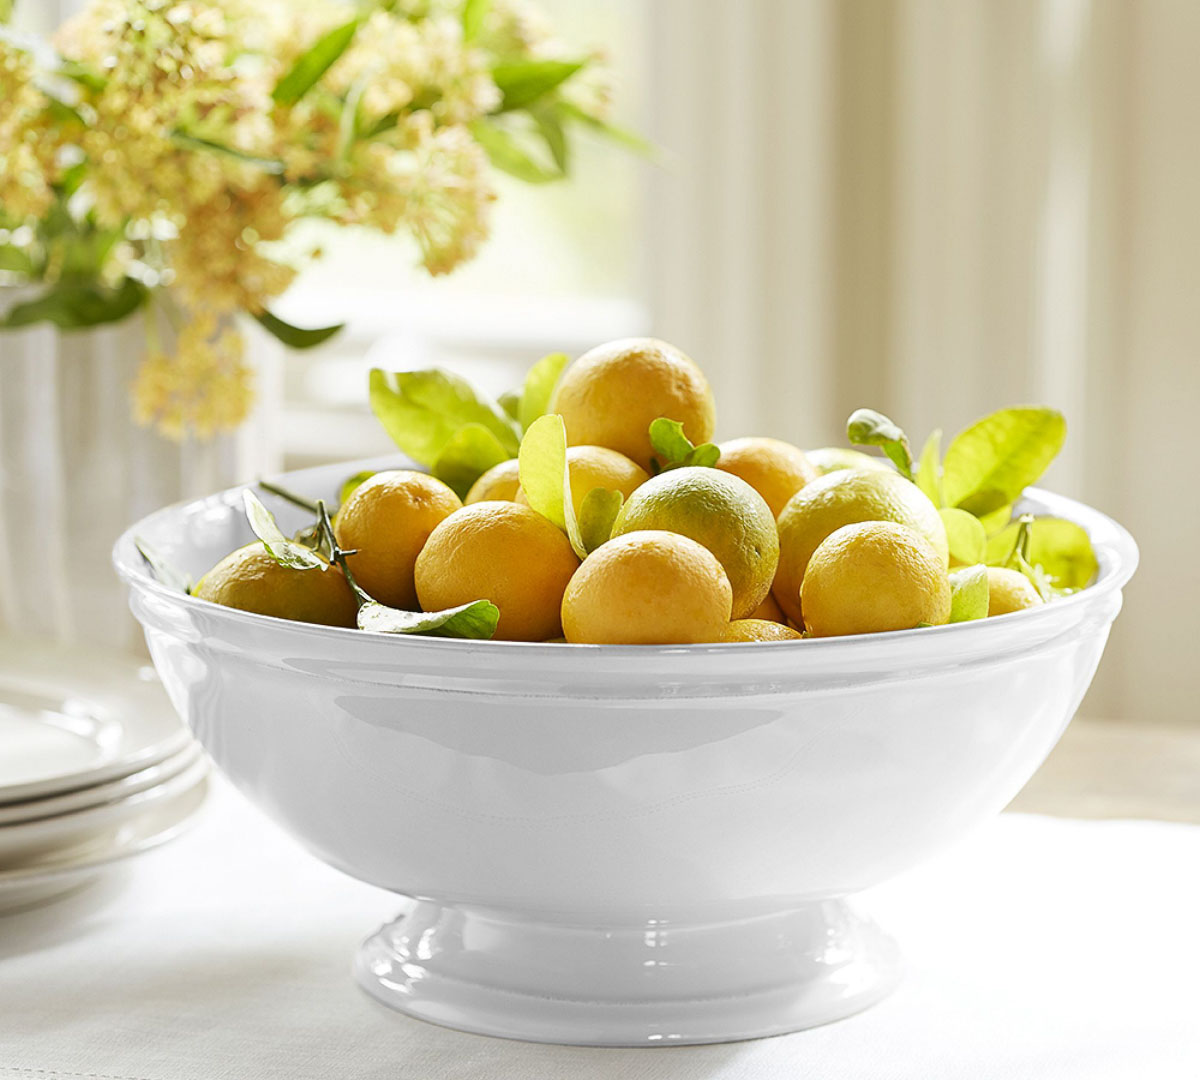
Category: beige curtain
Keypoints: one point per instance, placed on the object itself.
(938, 207)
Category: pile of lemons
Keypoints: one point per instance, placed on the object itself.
(768, 544)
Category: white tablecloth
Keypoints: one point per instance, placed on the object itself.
(1042, 949)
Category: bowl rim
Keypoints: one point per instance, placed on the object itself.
(1116, 553)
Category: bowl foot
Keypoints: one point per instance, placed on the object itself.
(650, 983)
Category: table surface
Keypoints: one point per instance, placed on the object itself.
(1040, 948)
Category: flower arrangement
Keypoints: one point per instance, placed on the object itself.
(158, 155)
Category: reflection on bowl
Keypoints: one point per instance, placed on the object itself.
(620, 845)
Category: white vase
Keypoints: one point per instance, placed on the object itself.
(75, 470)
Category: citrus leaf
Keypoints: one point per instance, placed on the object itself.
(283, 550)
(510, 402)
(669, 442)
(929, 478)
(968, 594)
(996, 520)
(474, 620)
(990, 463)
(597, 513)
(522, 82)
(539, 386)
(313, 63)
(471, 451)
(473, 14)
(295, 337)
(73, 306)
(163, 571)
(965, 534)
(866, 427)
(1061, 548)
(422, 410)
(546, 478)
(706, 456)
(351, 484)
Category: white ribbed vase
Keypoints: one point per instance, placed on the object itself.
(75, 470)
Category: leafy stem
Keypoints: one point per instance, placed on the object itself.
(312, 506)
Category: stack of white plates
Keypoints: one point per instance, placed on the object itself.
(94, 766)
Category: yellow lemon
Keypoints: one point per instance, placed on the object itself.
(759, 630)
(775, 469)
(647, 588)
(499, 484)
(599, 467)
(1010, 590)
(505, 553)
(874, 576)
(611, 395)
(843, 498)
(386, 522)
(720, 511)
(250, 580)
(829, 459)
(769, 610)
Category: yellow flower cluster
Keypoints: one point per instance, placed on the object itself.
(205, 387)
(26, 153)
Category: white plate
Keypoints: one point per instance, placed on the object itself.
(75, 716)
(57, 874)
(26, 841)
(98, 794)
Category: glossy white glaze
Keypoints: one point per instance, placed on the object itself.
(519, 788)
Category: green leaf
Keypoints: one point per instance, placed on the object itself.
(311, 65)
(422, 410)
(996, 520)
(674, 449)
(6, 10)
(471, 451)
(866, 427)
(295, 337)
(505, 151)
(195, 142)
(965, 534)
(351, 484)
(163, 571)
(72, 179)
(73, 305)
(929, 478)
(597, 513)
(14, 260)
(476, 620)
(473, 14)
(990, 463)
(539, 387)
(522, 82)
(79, 72)
(968, 594)
(510, 402)
(631, 140)
(546, 476)
(281, 548)
(1061, 548)
(551, 129)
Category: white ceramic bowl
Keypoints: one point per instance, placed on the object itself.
(620, 845)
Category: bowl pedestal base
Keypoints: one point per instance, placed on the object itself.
(647, 983)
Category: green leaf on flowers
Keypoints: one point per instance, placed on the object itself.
(422, 410)
(474, 620)
(1060, 547)
(522, 82)
(546, 478)
(170, 576)
(631, 140)
(965, 534)
(71, 305)
(80, 73)
(597, 513)
(351, 484)
(540, 382)
(471, 451)
(473, 14)
(550, 127)
(194, 142)
(513, 153)
(990, 463)
(929, 478)
(674, 449)
(14, 260)
(968, 594)
(866, 427)
(281, 548)
(295, 337)
(312, 64)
